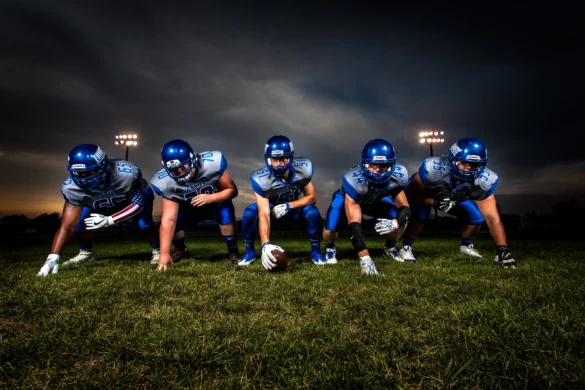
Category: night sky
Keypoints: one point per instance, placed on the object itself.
(228, 77)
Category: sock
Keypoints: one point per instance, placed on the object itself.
(155, 246)
(179, 243)
(330, 245)
(407, 241)
(230, 240)
(315, 246)
(390, 243)
(467, 241)
(249, 245)
(86, 246)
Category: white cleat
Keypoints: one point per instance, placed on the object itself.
(469, 250)
(82, 256)
(406, 255)
(392, 253)
(155, 256)
(330, 255)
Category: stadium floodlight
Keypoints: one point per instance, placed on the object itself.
(127, 140)
(431, 137)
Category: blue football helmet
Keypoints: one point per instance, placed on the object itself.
(88, 166)
(175, 154)
(469, 150)
(378, 152)
(277, 147)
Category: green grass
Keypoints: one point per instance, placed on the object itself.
(447, 322)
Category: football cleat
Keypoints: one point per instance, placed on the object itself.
(318, 258)
(406, 254)
(392, 253)
(83, 255)
(469, 250)
(248, 257)
(155, 256)
(234, 254)
(330, 256)
(179, 254)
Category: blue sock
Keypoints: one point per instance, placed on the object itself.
(230, 240)
(249, 245)
(408, 241)
(315, 246)
(155, 246)
(466, 241)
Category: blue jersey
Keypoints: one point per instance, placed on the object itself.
(265, 184)
(125, 185)
(210, 168)
(363, 191)
(435, 174)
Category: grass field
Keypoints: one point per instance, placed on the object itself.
(447, 322)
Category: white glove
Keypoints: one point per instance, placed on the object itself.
(280, 210)
(385, 226)
(51, 265)
(444, 204)
(96, 221)
(268, 260)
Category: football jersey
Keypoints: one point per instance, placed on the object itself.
(267, 185)
(363, 191)
(210, 166)
(435, 175)
(125, 178)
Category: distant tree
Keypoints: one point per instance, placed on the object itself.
(14, 224)
(45, 223)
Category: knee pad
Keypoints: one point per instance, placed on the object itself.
(356, 236)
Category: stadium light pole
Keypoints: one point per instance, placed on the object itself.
(430, 137)
(127, 140)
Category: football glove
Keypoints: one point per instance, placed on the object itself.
(51, 265)
(97, 221)
(268, 260)
(444, 204)
(385, 226)
(504, 257)
(280, 210)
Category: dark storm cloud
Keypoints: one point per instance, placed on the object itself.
(228, 77)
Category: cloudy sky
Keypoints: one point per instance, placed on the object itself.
(228, 76)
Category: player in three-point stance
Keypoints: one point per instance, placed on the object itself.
(375, 188)
(459, 184)
(100, 193)
(278, 189)
(194, 187)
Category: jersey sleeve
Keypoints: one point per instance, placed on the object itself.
(400, 175)
(423, 172)
(256, 186)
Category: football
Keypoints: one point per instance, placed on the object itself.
(281, 261)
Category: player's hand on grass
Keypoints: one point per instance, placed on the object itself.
(504, 257)
(165, 261)
(51, 265)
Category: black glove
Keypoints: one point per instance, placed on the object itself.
(504, 257)
(444, 203)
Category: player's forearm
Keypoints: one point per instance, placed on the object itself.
(264, 227)
(496, 228)
(224, 195)
(354, 213)
(302, 202)
(61, 238)
(128, 212)
(166, 233)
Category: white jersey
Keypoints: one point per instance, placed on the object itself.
(124, 182)
(363, 191)
(267, 185)
(435, 174)
(210, 168)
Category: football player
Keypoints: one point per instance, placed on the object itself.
(459, 184)
(375, 188)
(98, 193)
(194, 187)
(278, 189)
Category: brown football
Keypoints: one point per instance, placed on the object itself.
(281, 261)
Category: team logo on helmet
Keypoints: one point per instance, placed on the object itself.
(455, 149)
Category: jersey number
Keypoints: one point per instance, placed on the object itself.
(198, 191)
(439, 165)
(124, 167)
(107, 203)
